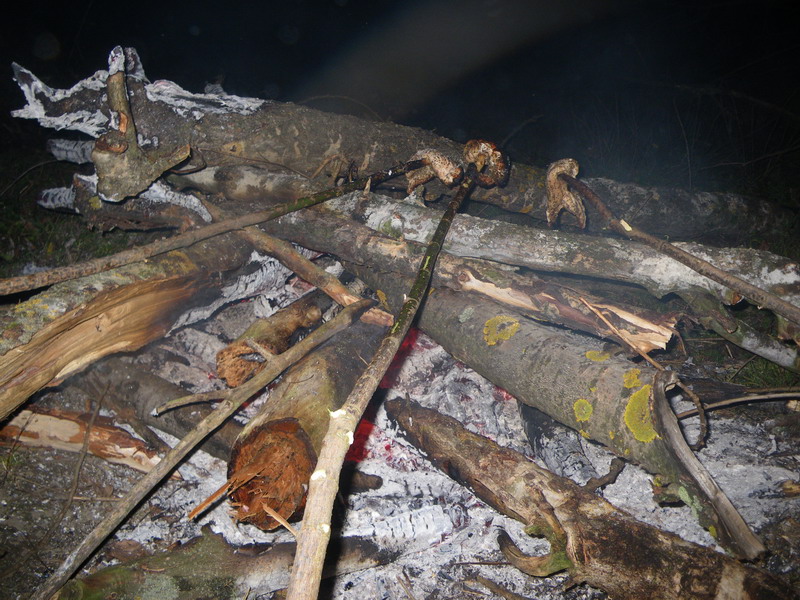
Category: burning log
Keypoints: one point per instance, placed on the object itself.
(592, 540)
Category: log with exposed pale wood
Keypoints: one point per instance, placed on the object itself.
(572, 379)
(69, 326)
(265, 335)
(592, 540)
(327, 229)
(66, 430)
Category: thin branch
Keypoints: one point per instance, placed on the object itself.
(739, 400)
(230, 405)
(304, 268)
(316, 530)
(324, 483)
(13, 285)
(755, 294)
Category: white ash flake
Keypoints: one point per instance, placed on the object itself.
(62, 198)
(74, 151)
(90, 123)
(161, 193)
(185, 103)
(267, 281)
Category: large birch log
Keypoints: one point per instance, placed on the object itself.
(594, 541)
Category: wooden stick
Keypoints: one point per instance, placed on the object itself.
(755, 294)
(303, 268)
(13, 285)
(316, 530)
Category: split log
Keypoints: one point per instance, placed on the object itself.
(592, 540)
(549, 251)
(560, 305)
(66, 430)
(66, 328)
(228, 135)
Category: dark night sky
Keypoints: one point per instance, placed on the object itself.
(622, 86)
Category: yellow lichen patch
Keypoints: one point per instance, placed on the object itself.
(597, 355)
(583, 409)
(631, 378)
(383, 301)
(499, 328)
(611, 435)
(638, 417)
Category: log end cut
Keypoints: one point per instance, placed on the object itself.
(269, 471)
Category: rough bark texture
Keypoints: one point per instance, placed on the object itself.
(589, 537)
(569, 377)
(130, 388)
(550, 251)
(69, 326)
(289, 140)
(271, 337)
(208, 567)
